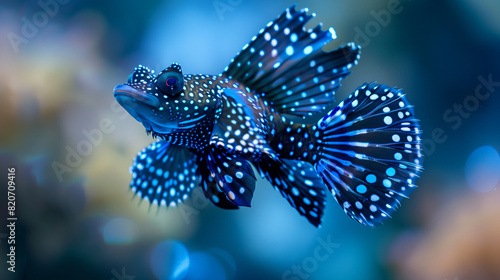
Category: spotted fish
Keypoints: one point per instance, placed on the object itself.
(212, 128)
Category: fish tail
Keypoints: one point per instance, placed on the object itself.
(367, 151)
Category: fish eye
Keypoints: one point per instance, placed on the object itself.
(170, 82)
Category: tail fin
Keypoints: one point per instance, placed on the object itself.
(369, 152)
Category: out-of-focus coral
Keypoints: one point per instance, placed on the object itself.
(58, 89)
(462, 242)
(41, 78)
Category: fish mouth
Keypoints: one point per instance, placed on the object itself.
(141, 106)
(125, 93)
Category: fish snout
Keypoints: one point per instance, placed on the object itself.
(125, 93)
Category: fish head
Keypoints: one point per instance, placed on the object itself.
(164, 103)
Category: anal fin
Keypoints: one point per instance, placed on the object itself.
(299, 184)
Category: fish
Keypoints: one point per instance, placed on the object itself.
(268, 111)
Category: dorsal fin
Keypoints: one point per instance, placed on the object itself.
(284, 63)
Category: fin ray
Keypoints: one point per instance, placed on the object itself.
(369, 152)
(164, 174)
(284, 63)
(210, 187)
(233, 180)
(299, 184)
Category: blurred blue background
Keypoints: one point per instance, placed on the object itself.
(61, 60)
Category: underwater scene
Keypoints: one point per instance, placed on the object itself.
(235, 140)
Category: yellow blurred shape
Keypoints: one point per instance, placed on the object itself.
(463, 242)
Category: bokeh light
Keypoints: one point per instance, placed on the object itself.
(119, 231)
(170, 260)
(271, 215)
(482, 169)
(226, 260)
(203, 266)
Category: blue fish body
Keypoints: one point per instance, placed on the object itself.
(366, 152)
